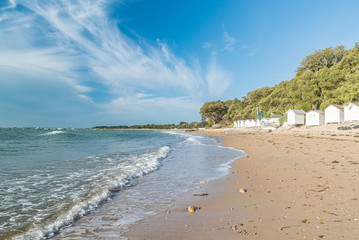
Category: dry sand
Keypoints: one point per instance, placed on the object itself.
(302, 184)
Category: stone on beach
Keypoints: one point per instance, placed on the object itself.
(242, 190)
(200, 194)
(114, 190)
(191, 209)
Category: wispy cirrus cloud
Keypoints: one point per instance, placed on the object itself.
(230, 42)
(8, 4)
(83, 30)
(218, 80)
(151, 108)
(75, 42)
(207, 45)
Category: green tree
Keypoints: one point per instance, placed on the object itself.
(327, 76)
(322, 58)
(213, 111)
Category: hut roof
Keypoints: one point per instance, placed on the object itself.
(335, 105)
(297, 111)
(354, 103)
(317, 111)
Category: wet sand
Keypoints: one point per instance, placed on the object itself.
(301, 184)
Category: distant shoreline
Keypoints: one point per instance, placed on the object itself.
(148, 129)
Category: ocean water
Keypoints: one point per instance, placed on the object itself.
(71, 183)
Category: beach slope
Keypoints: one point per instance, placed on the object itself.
(296, 184)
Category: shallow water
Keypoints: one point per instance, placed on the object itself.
(74, 181)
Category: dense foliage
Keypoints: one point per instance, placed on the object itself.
(328, 76)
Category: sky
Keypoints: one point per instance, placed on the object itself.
(81, 63)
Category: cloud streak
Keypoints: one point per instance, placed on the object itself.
(76, 42)
(217, 79)
(230, 42)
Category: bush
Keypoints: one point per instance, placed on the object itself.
(282, 119)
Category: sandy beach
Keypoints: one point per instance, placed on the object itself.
(299, 183)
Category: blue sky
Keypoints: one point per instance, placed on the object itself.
(68, 63)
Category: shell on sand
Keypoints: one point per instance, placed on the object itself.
(191, 209)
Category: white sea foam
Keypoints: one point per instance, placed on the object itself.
(181, 133)
(132, 167)
(193, 140)
(190, 138)
(52, 133)
(68, 186)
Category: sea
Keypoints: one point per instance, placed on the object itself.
(65, 183)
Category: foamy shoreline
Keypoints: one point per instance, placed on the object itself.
(302, 184)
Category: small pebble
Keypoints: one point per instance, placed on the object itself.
(242, 190)
(187, 226)
(191, 209)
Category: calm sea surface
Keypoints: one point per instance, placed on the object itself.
(69, 182)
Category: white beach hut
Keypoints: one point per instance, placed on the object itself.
(257, 123)
(265, 120)
(249, 123)
(242, 123)
(252, 123)
(351, 112)
(334, 114)
(295, 117)
(236, 124)
(274, 120)
(314, 118)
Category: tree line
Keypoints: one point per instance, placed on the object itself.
(327, 76)
(181, 125)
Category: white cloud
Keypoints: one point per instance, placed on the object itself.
(229, 41)
(75, 42)
(3, 17)
(119, 61)
(85, 98)
(217, 79)
(143, 95)
(10, 4)
(207, 45)
(151, 109)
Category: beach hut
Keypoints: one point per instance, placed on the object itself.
(351, 112)
(252, 123)
(295, 117)
(265, 120)
(314, 118)
(257, 123)
(334, 114)
(274, 120)
(242, 124)
(249, 123)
